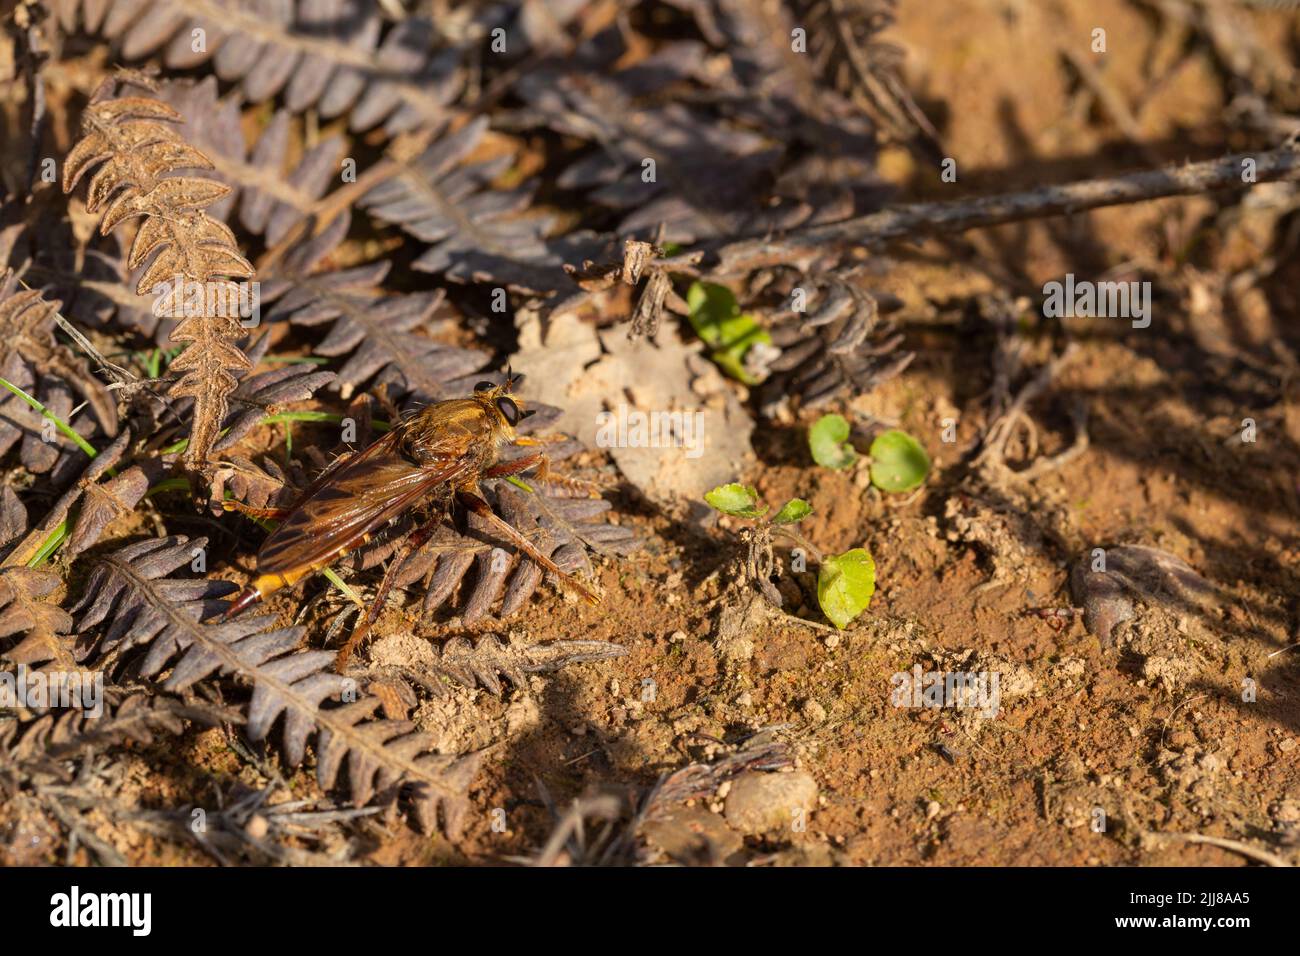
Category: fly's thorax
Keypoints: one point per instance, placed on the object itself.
(471, 430)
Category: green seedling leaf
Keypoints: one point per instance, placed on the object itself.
(845, 584)
(716, 317)
(828, 442)
(898, 462)
(736, 499)
(796, 509)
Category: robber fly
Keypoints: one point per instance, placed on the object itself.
(439, 454)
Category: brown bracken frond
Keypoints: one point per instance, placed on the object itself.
(139, 152)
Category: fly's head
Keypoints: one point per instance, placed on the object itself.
(502, 407)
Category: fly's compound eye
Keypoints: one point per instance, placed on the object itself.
(509, 410)
(483, 386)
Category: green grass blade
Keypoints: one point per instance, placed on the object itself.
(59, 423)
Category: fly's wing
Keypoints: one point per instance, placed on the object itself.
(356, 498)
(451, 435)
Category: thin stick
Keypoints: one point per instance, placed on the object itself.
(1181, 179)
(1236, 846)
(1289, 647)
(123, 378)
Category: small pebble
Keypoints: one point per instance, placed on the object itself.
(257, 827)
(763, 802)
(814, 711)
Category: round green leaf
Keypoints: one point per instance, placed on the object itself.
(898, 462)
(735, 499)
(827, 442)
(796, 509)
(845, 584)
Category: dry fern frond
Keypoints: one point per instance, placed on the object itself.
(269, 196)
(698, 781)
(25, 549)
(476, 233)
(712, 177)
(847, 51)
(46, 627)
(165, 618)
(231, 836)
(52, 766)
(483, 662)
(138, 153)
(840, 343)
(27, 322)
(336, 56)
(101, 504)
(122, 584)
(129, 715)
(378, 332)
(31, 359)
(43, 451)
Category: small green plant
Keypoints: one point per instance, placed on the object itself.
(845, 582)
(828, 442)
(898, 461)
(716, 317)
(738, 500)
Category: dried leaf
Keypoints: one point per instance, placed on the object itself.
(165, 618)
(485, 660)
(377, 332)
(27, 323)
(46, 627)
(838, 343)
(136, 150)
(334, 56)
(475, 232)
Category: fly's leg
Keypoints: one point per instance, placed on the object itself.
(274, 514)
(543, 463)
(504, 468)
(388, 406)
(469, 497)
(414, 542)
